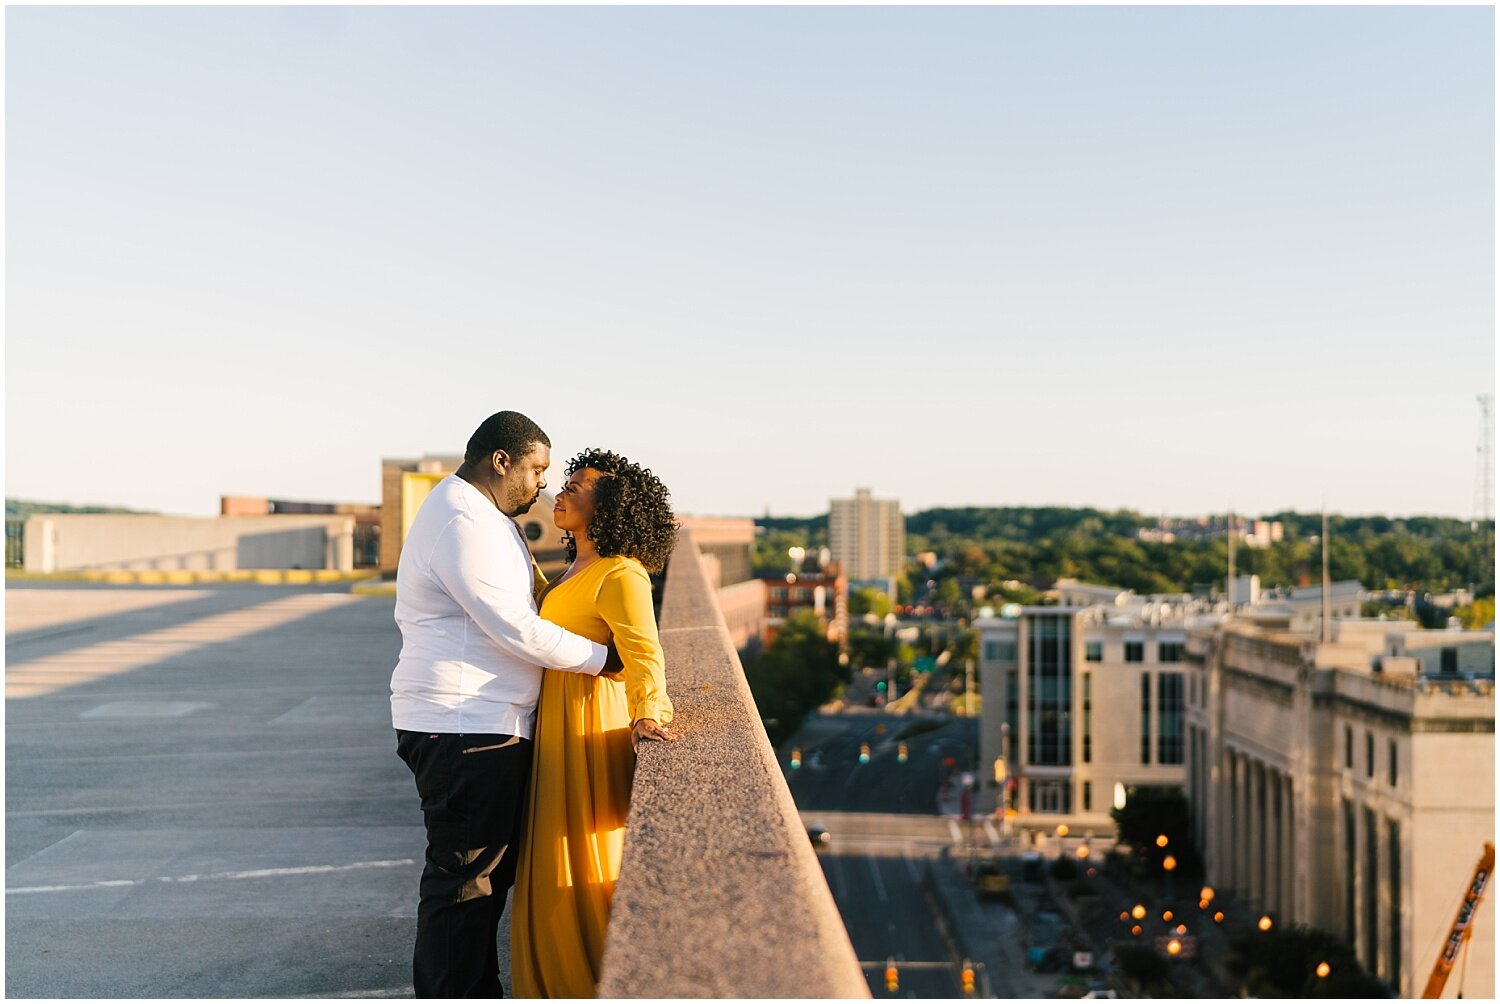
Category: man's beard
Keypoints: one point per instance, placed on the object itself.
(521, 505)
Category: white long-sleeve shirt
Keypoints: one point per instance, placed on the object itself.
(473, 646)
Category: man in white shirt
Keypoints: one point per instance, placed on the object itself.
(464, 693)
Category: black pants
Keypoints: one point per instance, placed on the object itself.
(473, 790)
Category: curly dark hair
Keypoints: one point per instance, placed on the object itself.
(632, 513)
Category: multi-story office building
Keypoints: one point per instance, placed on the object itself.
(1348, 784)
(867, 536)
(1082, 697)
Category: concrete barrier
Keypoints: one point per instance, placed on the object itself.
(184, 577)
(720, 893)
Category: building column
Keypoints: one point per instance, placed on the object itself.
(1289, 855)
(1242, 826)
(1257, 833)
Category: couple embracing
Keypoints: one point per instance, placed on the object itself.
(518, 703)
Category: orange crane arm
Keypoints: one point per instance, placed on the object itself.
(1462, 924)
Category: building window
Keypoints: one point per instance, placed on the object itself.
(1088, 719)
(1088, 796)
(1391, 750)
(1051, 796)
(779, 593)
(1348, 748)
(1000, 651)
(1093, 651)
(1169, 718)
(1369, 754)
(1450, 660)
(1135, 651)
(1145, 717)
(1169, 651)
(1013, 704)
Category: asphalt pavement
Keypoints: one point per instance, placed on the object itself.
(203, 797)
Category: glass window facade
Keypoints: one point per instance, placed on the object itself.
(1093, 651)
(1000, 650)
(1049, 685)
(1135, 651)
(1169, 651)
(1169, 718)
(1145, 718)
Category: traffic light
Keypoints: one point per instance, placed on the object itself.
(901, 753)
(892, 978)
(864, 752)
(880, 686)
(967, 977)
(797, 758)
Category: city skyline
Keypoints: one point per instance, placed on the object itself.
(1176, 260)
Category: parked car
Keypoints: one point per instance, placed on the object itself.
(991, 882)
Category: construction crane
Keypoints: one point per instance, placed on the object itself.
(1463, 925)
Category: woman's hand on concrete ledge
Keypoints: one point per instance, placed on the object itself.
(649, 728)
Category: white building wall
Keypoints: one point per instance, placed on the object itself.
(67, 542)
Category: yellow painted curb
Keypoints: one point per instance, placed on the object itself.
(188, 577)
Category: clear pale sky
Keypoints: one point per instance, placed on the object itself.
(1166, 258)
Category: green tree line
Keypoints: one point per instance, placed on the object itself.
(1010, 550)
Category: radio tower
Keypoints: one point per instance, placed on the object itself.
(1484, 468)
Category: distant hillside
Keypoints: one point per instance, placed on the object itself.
(21, 508)
(993, 546)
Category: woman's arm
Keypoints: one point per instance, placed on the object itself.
(625, 604)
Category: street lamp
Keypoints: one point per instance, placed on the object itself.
(1169, 863)
(1138, 911)
(1265, 922)
(1323, 970)
(1161, 840)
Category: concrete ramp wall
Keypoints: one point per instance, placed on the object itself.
(720, 893)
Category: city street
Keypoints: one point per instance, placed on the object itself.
(831, 776)
(877, 883)
(885, 832)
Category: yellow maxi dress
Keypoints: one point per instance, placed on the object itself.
(580, 781)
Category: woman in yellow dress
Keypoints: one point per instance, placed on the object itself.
(621, 527)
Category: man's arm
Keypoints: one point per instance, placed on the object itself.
(472, 565)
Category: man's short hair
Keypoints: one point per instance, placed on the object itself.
(510, 431)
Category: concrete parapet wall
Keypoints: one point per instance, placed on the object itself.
(720, 893)
(75, 542)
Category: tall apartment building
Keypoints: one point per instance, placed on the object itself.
(867, 536)
(1081, 697)
(1348, 785)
